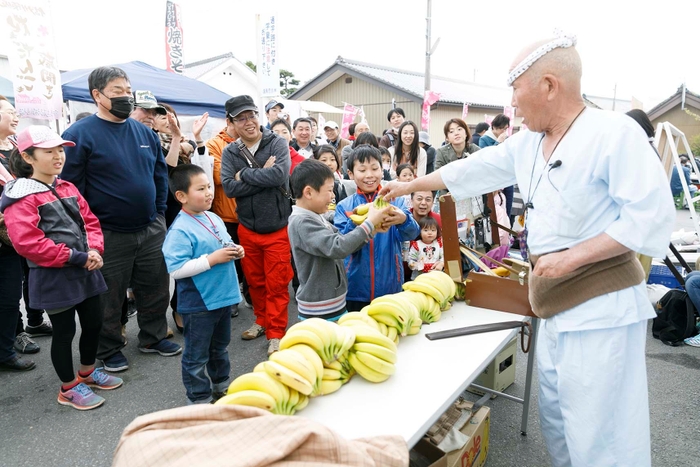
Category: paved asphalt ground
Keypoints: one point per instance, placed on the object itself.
(36, 431)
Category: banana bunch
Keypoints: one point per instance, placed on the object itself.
(335, 375)
(328, 339)
(259, 389)
(414, 303)
(363, 318)
(292, 369)
(373, 355)
(361, 211)
(435, 284)
(391, 312)
(461, 290)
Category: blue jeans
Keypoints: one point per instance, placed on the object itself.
(692, 286)
(10, 293)
(207, 335)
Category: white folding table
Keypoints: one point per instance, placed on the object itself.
(430, 376)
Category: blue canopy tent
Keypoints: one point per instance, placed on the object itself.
(187, 96)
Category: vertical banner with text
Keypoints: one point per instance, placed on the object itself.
(32, 54)
(173, 38)
(465, 111)
(349, 113)
(509, 112)
(267, 65)
(429, 99)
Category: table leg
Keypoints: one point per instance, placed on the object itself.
(528, 375)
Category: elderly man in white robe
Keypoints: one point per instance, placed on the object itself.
(595, 194)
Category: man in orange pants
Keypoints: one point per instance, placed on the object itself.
(255, 171)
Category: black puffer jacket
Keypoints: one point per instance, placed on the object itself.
(261, 206)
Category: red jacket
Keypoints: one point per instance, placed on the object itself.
(296, 159)
(46, 231)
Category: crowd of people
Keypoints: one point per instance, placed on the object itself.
(115, 204)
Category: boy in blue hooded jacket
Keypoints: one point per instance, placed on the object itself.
(376, 269)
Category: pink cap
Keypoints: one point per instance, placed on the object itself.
(38, 136)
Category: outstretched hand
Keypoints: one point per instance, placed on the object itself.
(394, 189)
(199, 124)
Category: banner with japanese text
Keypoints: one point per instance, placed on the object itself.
(32, 55)
(509, 112)
(174, 59)
(429, 99)
(465, 111)
(349, 114)
(267, 65)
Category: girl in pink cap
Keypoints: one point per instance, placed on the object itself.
(51, 225)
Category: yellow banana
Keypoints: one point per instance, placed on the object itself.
(396, 341)
(383, 328)
(389, 304)
(451, 287)
(331, 374)
(329, 386)
(362, 209)
(251, 398)
(348, 341)
(288, 377)
(413, 330)
(383, 316)
(373, 337)
(313, 358)
(297, 363)
(425, 288)
(258, 382)
(336, 365)
(437, 282)
(303, 402)
(366, 372)
(377, 350)
(259, 368)
(392, 334)
(356, 315)
(418, 299)
(303, 336)
(294, 397)
(376, 363)
(357, 219)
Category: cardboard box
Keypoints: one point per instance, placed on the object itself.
(473, 454)
(500, 373)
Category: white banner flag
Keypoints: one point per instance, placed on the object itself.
(267, 66)
(32, 56)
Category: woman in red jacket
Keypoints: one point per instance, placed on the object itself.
(51, 225)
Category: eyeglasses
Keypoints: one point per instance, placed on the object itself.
(251, 117)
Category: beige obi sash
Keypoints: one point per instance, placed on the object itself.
(549, 296)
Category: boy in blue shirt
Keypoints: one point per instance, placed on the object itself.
(199, 254)
(377, 268)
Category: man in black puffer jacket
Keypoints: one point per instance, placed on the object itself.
(259, 187)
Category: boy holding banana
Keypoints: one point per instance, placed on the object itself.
(376, 268)
(318, 247)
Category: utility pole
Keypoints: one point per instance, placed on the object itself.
(614, 96)
(427, 46)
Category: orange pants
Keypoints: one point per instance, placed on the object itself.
(267, 265)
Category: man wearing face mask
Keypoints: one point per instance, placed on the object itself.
(118, 166)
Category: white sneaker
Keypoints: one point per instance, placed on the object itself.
(693, 341)
(273, 346)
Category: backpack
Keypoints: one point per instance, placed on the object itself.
(675, 318)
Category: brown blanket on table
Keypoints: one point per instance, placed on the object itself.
(245, 436)
(549, 296)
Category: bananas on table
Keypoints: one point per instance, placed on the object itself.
(317, 357)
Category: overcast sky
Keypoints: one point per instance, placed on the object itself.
(647, 51)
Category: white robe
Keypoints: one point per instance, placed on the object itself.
(610, 180)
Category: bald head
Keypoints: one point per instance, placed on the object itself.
(563, 63)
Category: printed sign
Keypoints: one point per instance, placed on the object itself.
(267, 65)
(32, 55)
(429, 99)
(509, 112)
(349, 113)
(173, 38)
(465, 111)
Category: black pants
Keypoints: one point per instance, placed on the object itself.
(34, 317)
(90, 315)
(232, 229)
(10, 294)
(355, 306)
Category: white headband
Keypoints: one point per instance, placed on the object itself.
(563, 40)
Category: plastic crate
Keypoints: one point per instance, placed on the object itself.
(661, 274)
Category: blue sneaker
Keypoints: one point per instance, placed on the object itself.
(80, 397)
(116, 362)
(101, 380)
(694, 341)
(164, 347)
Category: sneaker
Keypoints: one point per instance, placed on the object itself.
(80, 397)
(101, 380)
(253, 332)
(234, 310)
(693, 341)
(24, 344)
(165, 348)
(17, 363)
(116, 362)
(44, 329)
(273, 346)
(131, 308)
